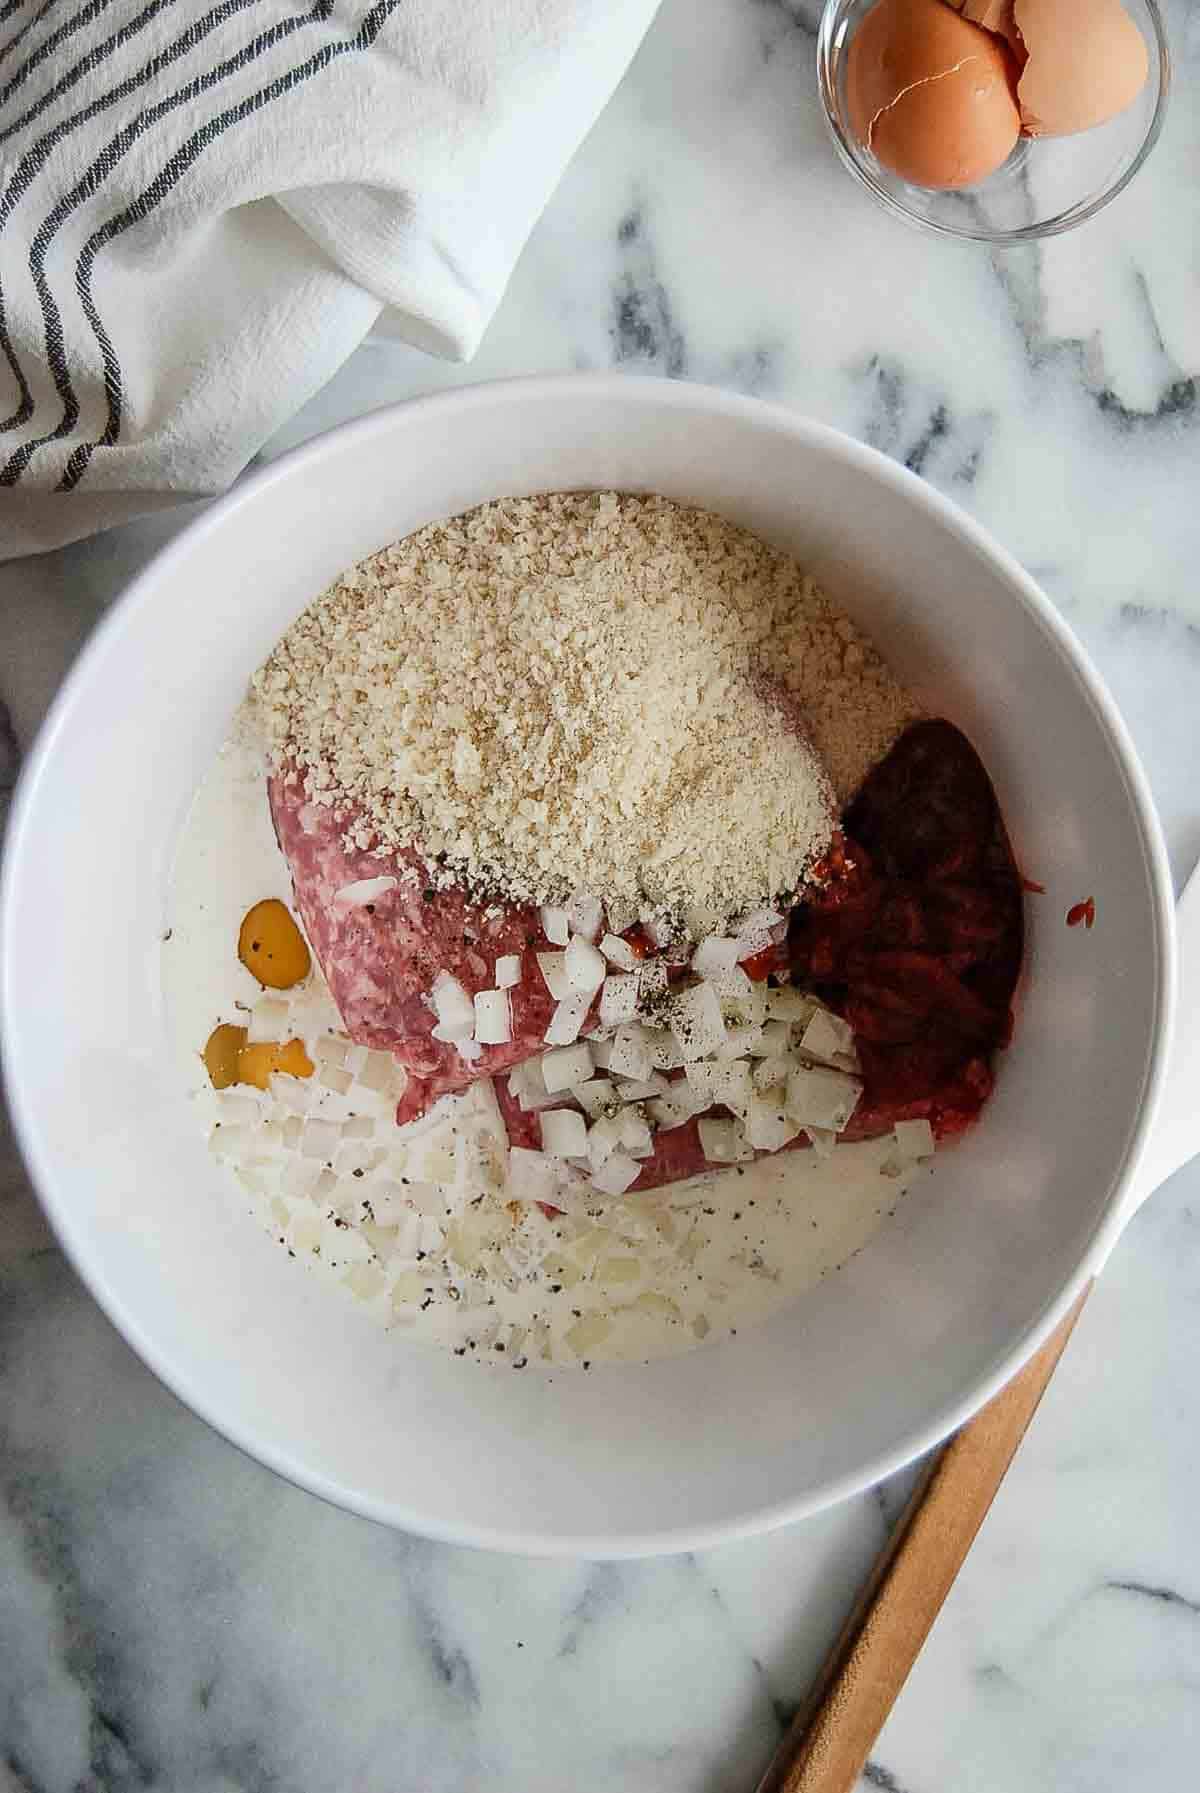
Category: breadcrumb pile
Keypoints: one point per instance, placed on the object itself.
(585, 692)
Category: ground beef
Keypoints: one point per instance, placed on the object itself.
(380, 958)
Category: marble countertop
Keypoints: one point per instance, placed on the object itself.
(174, 1617)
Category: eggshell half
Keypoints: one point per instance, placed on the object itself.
(931, 94)
(996, 16)
(1087, 61)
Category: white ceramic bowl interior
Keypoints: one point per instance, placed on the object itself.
(887, 1355)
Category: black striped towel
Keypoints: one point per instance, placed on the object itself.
(204, 208)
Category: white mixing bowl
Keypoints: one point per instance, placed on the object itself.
(886, 1356)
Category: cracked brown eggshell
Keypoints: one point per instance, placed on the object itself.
(931, 94)
(1087, 61)
(995, 16)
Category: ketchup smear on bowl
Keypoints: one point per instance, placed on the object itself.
(917, 937)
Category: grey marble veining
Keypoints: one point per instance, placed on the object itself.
(174, 1617)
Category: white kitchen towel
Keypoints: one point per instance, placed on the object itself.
(204, 207)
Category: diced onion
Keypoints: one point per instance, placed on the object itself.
(566, 1021)
(674, 1109)
(618, 1000)
(630, 1056)
(723, 1142)
(769, 1127)
(319, 1139)
(763, 928)
(493, 1018)
(817, 1097)
(652, 980)
(596, 1096)
(696, 1021)
(553, 967)
(619, 1174)
(743, 1001)
(775, 1041)
(702, 1080)
(454, 1009)
(757, 920)
(230, 1140)
(508, 971)
(827, 1036)
(776, 1069)
(305, 1233)
(429, 1201)
(241, 1105)
(720, 1081)
(587, 1333)
(556, 924)
(270, 1136)
(433, 1159)
(533, 1176)
(619, 1269)
(526, 1083)
(618, 952)
(381, 1074)
(365, 1281)
(635, 1133)
(914, 1140)
(352, 1155)
(790, 1005)
(342, 1245)
(268, 1021)
(468, 1050)
(585, 967)
(292, 1093)
(564, 1133)
(566, 1066)
(604, 1136)
(638, 1089)
(733, 1085)
(363, 890)
(585, 915)
(663, 1048)
(715, 955)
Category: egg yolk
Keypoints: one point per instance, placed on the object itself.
(271, 946)
(228, 1058)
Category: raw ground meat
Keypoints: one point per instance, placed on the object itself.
(380, 958)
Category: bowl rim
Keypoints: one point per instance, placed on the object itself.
(849, 151)
(152, 586)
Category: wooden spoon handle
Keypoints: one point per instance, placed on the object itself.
(835, 1729)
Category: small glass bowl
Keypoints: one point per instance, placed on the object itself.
(1047, 185)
